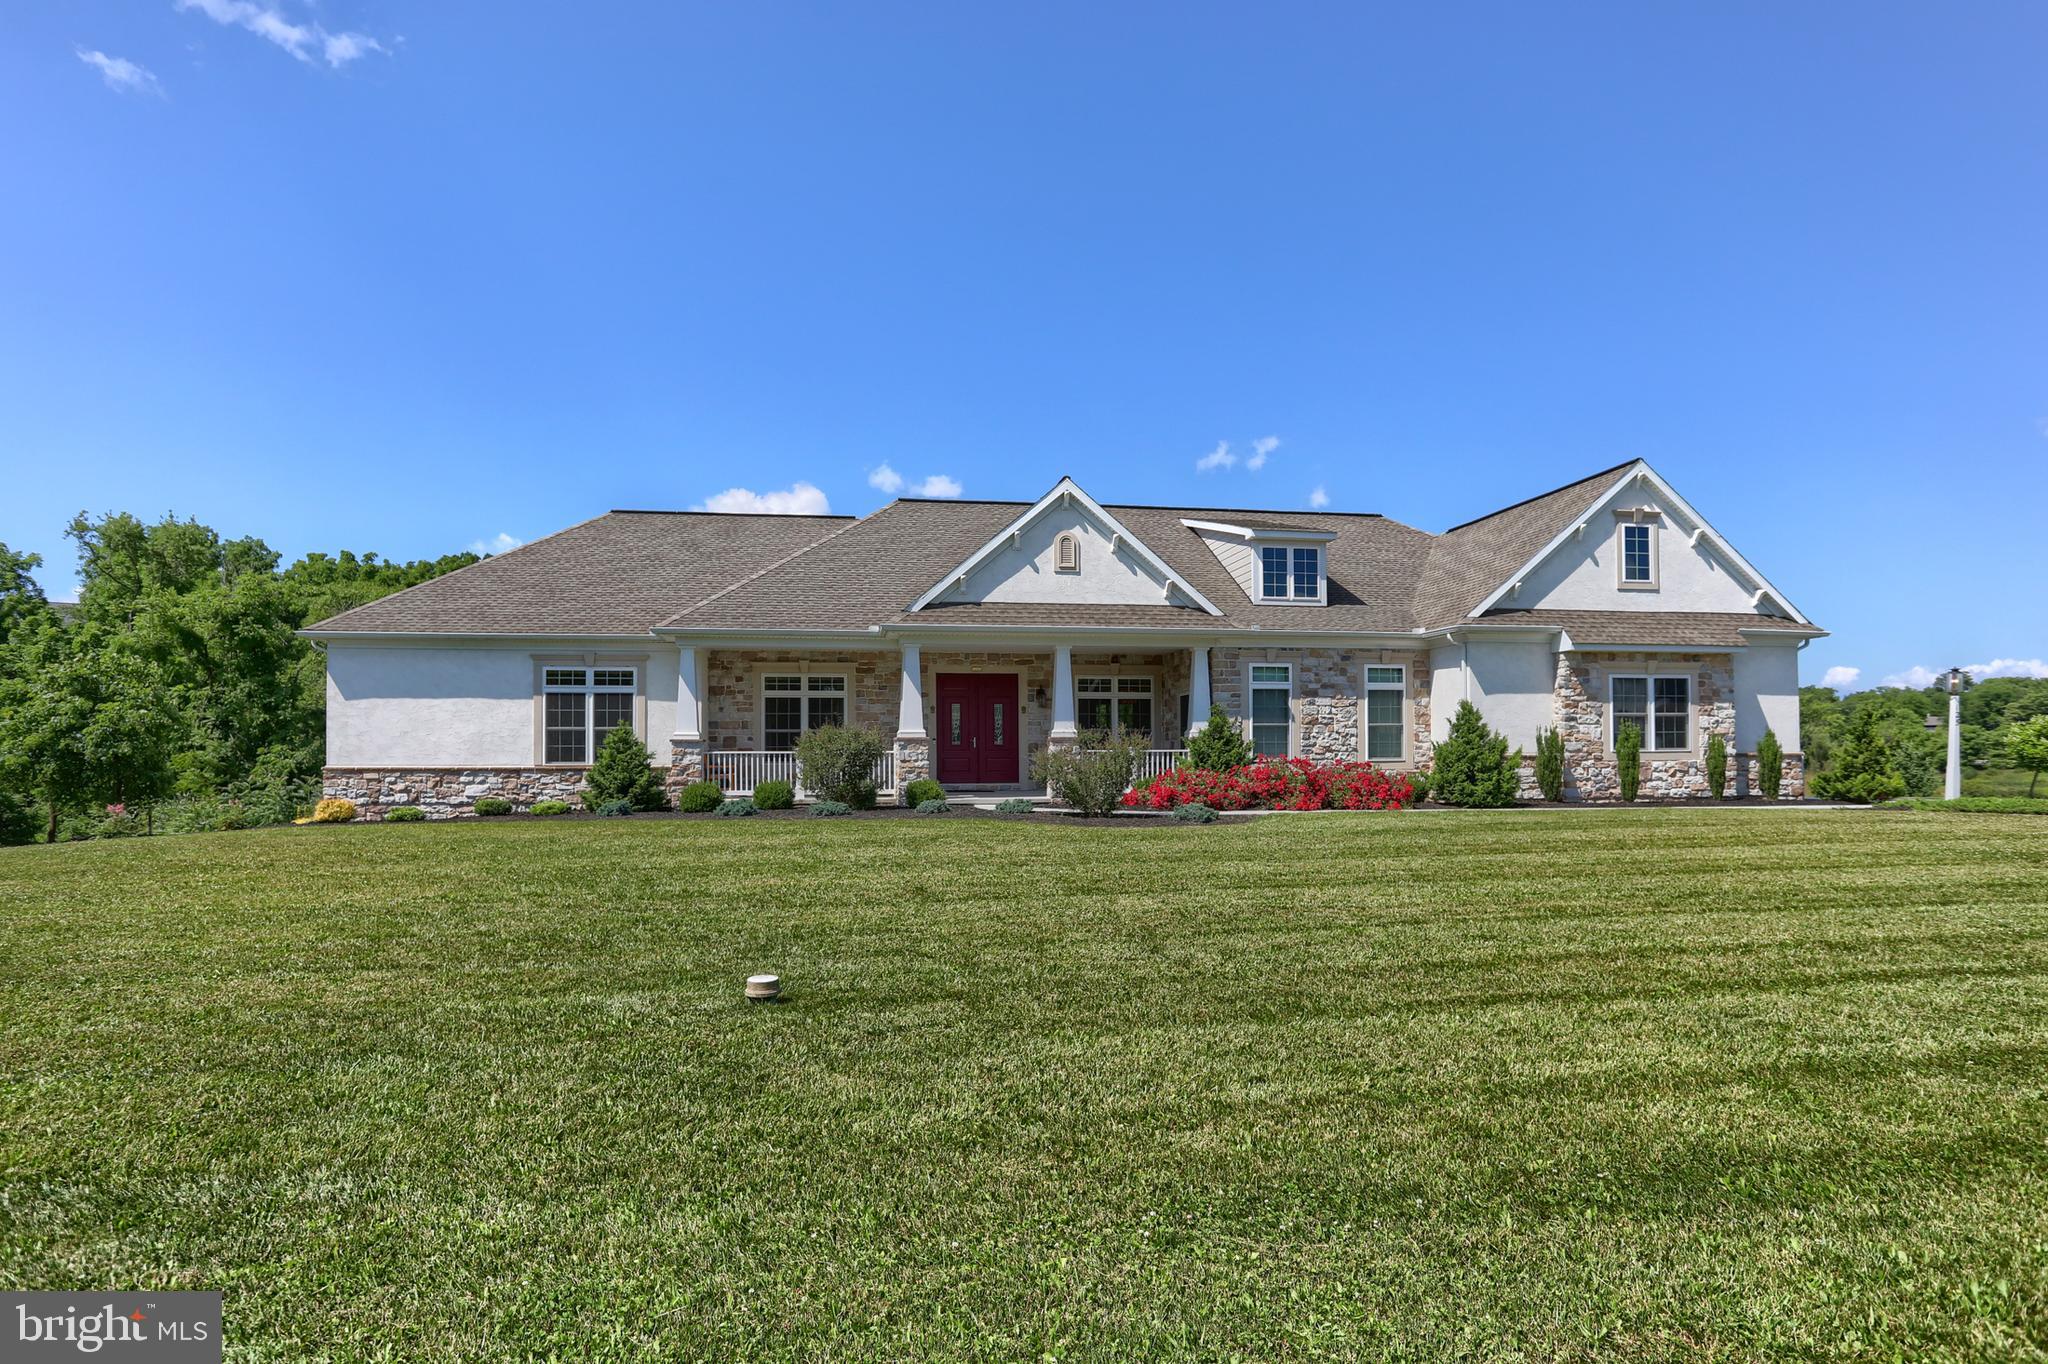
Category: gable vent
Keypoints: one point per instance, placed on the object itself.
(1067, 553)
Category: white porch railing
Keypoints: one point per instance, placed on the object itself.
(739, 771)
(1157, 762)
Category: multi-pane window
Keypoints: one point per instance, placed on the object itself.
(1635, 554)
(1272, 693)
(579, 706)
(1273, 571)
(794, 702)
(1113, 705)
(1384, 691)
(1308, 572)
(1660, 707)
(1294, 574)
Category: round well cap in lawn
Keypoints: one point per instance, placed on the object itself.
(763, 987)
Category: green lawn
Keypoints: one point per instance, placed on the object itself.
(2002, 781)
(1594, 1085)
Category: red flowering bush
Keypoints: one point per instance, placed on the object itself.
(1276, 784)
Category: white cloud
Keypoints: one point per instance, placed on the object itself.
(1219, 458)
(121, 74)
(884, 479)
(1320, 497)
(1263, 446)
(1920, 675)
(303, 41)
(497, 544)
(799, 499)
(1842, 679)
(938, 485)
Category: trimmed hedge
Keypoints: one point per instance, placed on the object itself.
(616, 809)
(700, 798)
(1193, 814)
(334, 812)
(775, 795)
(933, 807)
(493, 805)
(404, 814)
(827, 809)
(1015, 805)
(739, 806)
(921, 792)
(550, 807)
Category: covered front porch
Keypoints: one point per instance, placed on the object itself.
(973, 718)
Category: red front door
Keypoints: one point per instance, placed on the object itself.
(977, 736)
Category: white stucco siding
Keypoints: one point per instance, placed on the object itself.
(1025, 572)
(403, 706)
(1583, 573)
(1446, 689)
(1512, 682)
(1767, 696)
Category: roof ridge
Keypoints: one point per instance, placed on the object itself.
(1562, 487)
(444, 577)
(766, 569)
(698, 511)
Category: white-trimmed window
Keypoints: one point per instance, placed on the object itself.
(1386, 689)
(1272, 691)
(794, 702)
(1114, 705)
(579, 706)
(1638, 554)
(1290, 573)
(1659, 706)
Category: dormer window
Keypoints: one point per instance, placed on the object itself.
(1066, 553)
(1291, 573)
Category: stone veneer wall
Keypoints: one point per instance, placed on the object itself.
(1329, 686)
(447, 792)
(1580, 696)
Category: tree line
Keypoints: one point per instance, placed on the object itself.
(176, 693)
(1882, 736)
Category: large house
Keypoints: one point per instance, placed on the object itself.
(974, 633)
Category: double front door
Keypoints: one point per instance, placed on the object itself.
(977, 738)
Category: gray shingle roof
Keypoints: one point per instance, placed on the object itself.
(626, 572)
(617, 574)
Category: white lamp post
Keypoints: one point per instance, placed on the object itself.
(1953, 788)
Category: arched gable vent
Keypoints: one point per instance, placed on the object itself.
(1067, 553)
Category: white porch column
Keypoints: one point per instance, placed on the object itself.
(910, 703)
(1198, 690)
(1063, 694)
(689, 700)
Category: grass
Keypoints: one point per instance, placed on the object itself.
(2002, 781)
(1975, 805)
(1646, 1085)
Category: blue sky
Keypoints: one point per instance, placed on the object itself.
(406, 278)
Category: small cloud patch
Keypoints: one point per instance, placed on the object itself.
(497, 544)
(1319, 497)
(121, 74)
(799, 499)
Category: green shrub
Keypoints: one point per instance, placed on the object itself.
(616, 809)
(1219, 745)
(404, 814)
(1015, 805)
(774, 795)
(549, 807)
(493, 805)
(922, 790)
(699, 797)
(1717, 767)
(733, 808)
(1418, 782)
(1862, 770)
(1093, 775)
(934, 807)
(624, 770)
(1550, 764)
(827, 809)
(1193, 813)
(1628, 758)
(1770, 764)
(839, 763)
(1473, 765)
(20, 821)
